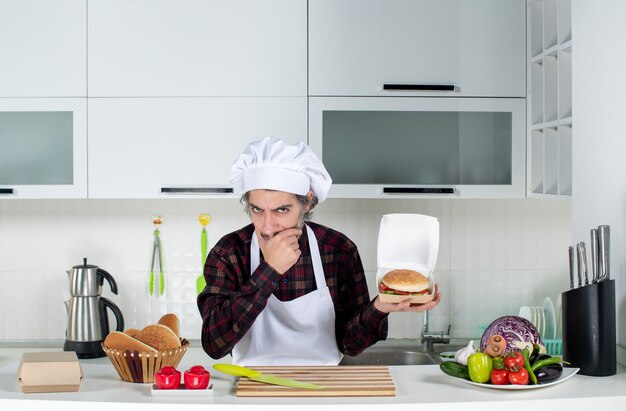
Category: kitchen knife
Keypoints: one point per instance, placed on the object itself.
(604, 255)
(579, 255)
(583, 262)
(594, 255)
(572, 263)
(239, 371)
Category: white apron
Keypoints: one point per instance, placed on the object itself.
(296, 332)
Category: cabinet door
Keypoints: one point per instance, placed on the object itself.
(357, 46)
(387, 147)
(43, 148)
(43, 48)
(197, 48)
(143, 148)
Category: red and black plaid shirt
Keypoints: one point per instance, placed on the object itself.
(233, 299)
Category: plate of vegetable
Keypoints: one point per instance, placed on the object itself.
(566, 375)
(501, 364)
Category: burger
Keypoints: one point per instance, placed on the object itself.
(404, 282)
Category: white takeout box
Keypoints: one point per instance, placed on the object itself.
(409, 241)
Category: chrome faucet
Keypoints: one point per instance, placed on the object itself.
(428, 338)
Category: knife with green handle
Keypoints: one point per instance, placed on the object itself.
(239, 371)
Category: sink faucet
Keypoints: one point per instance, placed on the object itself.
(430, 337)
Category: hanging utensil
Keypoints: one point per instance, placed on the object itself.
(157, 257)
(594, 255)
(204, 220)
(604, 254)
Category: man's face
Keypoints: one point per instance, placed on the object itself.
(274, 211)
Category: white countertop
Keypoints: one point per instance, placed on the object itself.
(417, 387)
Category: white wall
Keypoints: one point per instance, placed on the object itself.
(495, 255)
(599, 139)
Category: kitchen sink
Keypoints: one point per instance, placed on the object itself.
(398, 352)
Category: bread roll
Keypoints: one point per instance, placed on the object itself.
(171, 321)
(159, 337)
(405, 280)
(120, 341)
(132, 332)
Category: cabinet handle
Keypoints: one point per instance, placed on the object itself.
(196, 190)
(6, 191)
(417, 190)
(419, 87)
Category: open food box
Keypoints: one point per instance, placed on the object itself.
(408, 241)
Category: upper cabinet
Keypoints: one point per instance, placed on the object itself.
(146, 48)
(43, 48)
(417, 47)
(43, 148)
(550, 99)
(180, 147)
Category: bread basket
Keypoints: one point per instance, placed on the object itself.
(137, 366)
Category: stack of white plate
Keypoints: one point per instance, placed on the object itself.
(542, 317)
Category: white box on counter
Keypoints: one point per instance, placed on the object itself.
(408, 241)
(49, 372)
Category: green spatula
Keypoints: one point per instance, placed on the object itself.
(204, 219)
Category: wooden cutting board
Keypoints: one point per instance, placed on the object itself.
(338, 381)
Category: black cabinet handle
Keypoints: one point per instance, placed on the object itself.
(418, 190)
(419, 87)
(6, 191)
(196, 190)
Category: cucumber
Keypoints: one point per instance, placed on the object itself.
(455, 369)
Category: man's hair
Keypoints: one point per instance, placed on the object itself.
(245, 200)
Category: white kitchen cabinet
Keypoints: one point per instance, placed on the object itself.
(421, 147)
(477, 47)
(182, 147)
(179, 48)
(43, 48)
(43, 145)
(550, 99)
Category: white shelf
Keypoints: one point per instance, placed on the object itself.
(550, 99)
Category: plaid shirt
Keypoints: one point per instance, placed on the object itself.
(233, 299)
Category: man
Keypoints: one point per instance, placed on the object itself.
(283, 290)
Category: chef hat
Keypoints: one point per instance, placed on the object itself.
(272, 164)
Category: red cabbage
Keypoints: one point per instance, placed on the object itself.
(512, 328)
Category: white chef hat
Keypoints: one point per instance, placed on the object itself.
(272, 164)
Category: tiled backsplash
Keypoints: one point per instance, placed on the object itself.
(494, 256)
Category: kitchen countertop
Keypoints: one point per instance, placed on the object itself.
(417, 387)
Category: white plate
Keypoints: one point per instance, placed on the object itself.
(548, 308)
(559, 318)
(567, 374)
(181, 392)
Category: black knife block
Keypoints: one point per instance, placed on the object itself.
(589, 336)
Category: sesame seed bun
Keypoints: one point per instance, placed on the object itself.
(159, 336)
(405, 280)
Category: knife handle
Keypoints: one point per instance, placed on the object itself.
(581, 264)
(572, 265)
(594, 255)
(603, 251)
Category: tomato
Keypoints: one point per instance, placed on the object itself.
(519, 377)
(514, 361)
(479, 366)
(499, 377)
(386, 290)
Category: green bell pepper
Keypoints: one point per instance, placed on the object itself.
(479, 366)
